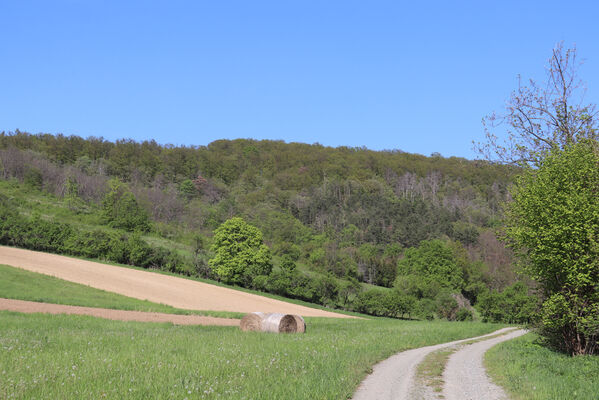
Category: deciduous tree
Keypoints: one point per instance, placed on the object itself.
(553, 224)
(239, 252)
(542, 116)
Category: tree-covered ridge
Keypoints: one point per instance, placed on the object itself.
(340, 214)
(232, 160)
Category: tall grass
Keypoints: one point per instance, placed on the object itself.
(530, 371)
(43, 356)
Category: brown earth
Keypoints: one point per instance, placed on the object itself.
(119, 315)
(177, 292)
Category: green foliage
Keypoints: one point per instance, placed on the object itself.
(33, 178)
(429, 267)
(342, 215)
(553, 223)
(390, 303)
(188, 189)
(39, 234)
(239, 252)
(513, 305)
(121, 210)
(287, 264)
(464, 314)
(446, 305)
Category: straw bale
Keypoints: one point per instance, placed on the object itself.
(252, 322)
(273, 322)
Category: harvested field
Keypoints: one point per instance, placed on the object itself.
(118, 315)
(174, 291)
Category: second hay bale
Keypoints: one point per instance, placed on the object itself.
(273, 322)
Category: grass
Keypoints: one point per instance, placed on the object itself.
(60, 356)
(16, 283)
(430, 370)
(528, 370)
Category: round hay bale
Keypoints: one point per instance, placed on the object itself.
(252, 322)
(301, 324)
(277, 323)
(273, 322)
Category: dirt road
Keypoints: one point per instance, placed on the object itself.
(394, 378)
(465, 377)
(177, 292)
(118, 315)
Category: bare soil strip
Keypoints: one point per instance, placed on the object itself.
(394, 378)
(118, 315)
(465, 376)
(177, 292)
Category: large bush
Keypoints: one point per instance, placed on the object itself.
(553, 223)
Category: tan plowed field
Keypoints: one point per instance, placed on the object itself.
(117, 315)
(145, 285)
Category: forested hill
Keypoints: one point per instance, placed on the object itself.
(350, 212)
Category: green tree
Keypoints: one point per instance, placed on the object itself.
(429, 267)
(187, 189)
(121, 210)
(553, 224)
(239, 252)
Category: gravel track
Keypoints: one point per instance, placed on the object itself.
(465, 376)
(118, 315)
(177, 292)
(394, 378)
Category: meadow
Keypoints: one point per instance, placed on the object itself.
(528, 370)
(61, 356)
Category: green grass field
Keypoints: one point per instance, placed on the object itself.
(61, 356)
(49, 356)
(530, 371)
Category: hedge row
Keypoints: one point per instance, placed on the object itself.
(36, 233)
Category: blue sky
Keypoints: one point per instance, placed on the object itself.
(415, 76)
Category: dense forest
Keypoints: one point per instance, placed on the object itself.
(342, 223)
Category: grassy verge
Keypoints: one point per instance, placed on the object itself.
(528, 370)
(430, 370)
(62, 356)
(19, 284)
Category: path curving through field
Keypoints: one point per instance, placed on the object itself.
(117, 315)
(465, 376)
(159, 288)
(394, 378)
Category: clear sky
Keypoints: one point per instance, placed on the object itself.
(416, 76)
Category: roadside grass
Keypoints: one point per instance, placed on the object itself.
(16, 283)
(528, 370)
(66, 356)
(430, 370)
